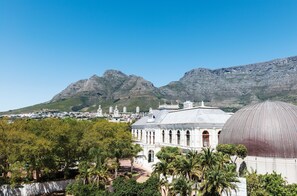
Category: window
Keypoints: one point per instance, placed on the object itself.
(140, 134)
(151, 156)
(137, 134)
(205, 139)
(170, 136)
(150, 137)
(188, 138)
(163, 136)
(219, 135)
(153, 137)
(146, 137)
(178, 137)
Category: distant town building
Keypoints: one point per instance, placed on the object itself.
(168, 107)
(116, 112)
(137, 109)
(124, 109)
(110, 109)
(99, 112)
(188, 104)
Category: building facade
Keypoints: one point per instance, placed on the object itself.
(191, 128)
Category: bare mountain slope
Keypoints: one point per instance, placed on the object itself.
(114, 87)
(238, 86)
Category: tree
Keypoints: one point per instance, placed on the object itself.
(233, 150)
(98, 171)
(135, 149)
(168, 154)
(129, 187)
(161, 169)
(267, 184)
(188, 166)
(241, 151)
(218, 180)
(207, 160)
(5, 146)
(181, 186)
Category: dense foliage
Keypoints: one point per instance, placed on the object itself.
(269, 184)
(121, 187)
(129, 187)
(36, 150)
(208, 172)
(50, 149)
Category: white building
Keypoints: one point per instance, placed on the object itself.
(99, 112)
(191, 128)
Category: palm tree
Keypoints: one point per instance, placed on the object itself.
(192, 166)
(162, 169)
(218, 180)
(135, 149)
(99, 175)
(97, 155)
(181, 186)
(207, 159)
(83, 168)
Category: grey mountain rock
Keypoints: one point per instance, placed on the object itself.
(238, 86)
(112, 85)
(226, 87)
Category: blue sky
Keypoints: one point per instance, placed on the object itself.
(47, 44)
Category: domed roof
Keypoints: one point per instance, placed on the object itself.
(267, 129)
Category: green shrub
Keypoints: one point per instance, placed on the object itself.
(79, 189)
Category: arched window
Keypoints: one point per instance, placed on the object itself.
(153, 137)
(219, 135)
(188, 138)
(151, 156)
(178, 137)
(170, 136)
(205, 139)
(163, 136)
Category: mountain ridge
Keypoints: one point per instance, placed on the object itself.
(230, 87)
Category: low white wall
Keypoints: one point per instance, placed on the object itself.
(35, 188)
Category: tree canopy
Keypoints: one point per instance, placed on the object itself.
(35, 150)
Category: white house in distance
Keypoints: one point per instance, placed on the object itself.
(187, 128)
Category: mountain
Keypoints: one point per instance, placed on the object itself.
(229, 88)
(113, 88)
(238, 86)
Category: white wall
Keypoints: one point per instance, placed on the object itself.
(286, 167)
(35, 188)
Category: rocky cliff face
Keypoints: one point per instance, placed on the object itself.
(113, 87)
(238, 86)
(227, 87)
